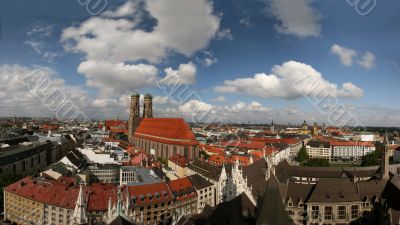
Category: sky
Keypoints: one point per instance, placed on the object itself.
(244, 61)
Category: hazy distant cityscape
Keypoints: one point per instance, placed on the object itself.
(199, 112)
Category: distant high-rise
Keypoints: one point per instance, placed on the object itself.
(272, 128)
(148, 106)
(134, 115)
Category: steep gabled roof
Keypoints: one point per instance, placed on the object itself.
(171, 130)
(344, 191)
(272, 209)
(119, 220)
(238, 211)
(255, 174)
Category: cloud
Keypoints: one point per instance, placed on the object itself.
(105, 102)
(346, 55)
(117, 78)
(114, 42)
(129, 8)
(185, 74)
(194, 105)
(224, 34)
(246, 22)
(206, 58)
(183, 26)
(16, 97)
(220, 98)
(160, 100)
(247, 107)
(38, 39)
(291, 80)
(367, 61)
(297, 18)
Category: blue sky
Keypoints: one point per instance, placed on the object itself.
(241, 57)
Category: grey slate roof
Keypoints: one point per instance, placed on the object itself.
(18, 152)
(334, 190)
(238, 211)
(296, 192)
(255, 174)
(199, 182)
(272, 210)
(206, 169)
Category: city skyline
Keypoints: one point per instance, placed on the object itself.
(245, 61)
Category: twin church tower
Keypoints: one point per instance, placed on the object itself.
(134, 115)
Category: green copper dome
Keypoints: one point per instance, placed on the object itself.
(135, 94)
(148, 95)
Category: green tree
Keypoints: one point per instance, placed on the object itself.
(316, 163)
(370, 159)
(302, 155)
(5, 180)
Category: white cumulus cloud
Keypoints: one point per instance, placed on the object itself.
(367, 61)
(185, 74)
(297, 18)
(346, 55)
(290, 80)
(114, 42)
(117, 77)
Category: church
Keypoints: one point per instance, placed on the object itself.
(161, 137)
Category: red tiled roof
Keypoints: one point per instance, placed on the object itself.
(98, 195)
(138, 158)
(166, 130)
(108, 139)
(247, 145)
(180, 160)
(271, 150)
(243, 160)
(63, 193)
(118, 130)
(158, 189)
(213, 149)
(289, 141)
(116, 124)
(258, 154)
(216, 159)
(50, 127)
(182, 189)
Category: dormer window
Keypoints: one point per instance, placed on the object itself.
(290, 202)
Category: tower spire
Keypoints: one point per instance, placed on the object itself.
(119, 202)
(385, 160)
(79, 216)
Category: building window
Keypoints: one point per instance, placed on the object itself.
(354, 211)
(314, 212)
(342, 212)
(328, 212)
